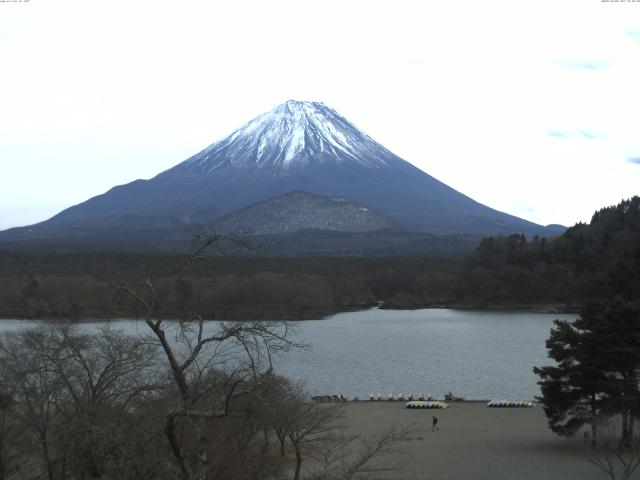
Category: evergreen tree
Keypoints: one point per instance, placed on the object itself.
(573, 392)
(598, 369)
(616, 325)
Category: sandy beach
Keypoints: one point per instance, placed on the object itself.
(474, 442)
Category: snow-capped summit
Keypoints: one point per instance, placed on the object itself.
(293, 134)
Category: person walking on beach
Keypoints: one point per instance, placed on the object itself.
(434, 426)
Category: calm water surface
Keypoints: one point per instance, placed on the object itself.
(477, 354)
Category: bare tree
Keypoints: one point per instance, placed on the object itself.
(9, 432)
(37, 389)
(103, 375)
(346, 457)
(314, 430)
(615, 457)
(104, 368)
(192, 351)
(72, 391)
(278, 397)
(310, 424)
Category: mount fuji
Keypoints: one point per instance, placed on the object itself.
(299, 146)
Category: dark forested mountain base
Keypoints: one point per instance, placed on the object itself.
(589, 261)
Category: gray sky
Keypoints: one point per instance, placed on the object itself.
(529, 107)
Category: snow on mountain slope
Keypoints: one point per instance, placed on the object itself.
(291, 135)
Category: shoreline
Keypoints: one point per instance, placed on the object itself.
(558, 308)
(305, 315)
(315, 314)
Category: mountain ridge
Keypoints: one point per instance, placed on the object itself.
(297, 146)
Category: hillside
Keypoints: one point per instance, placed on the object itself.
(594, 260)
(296, 211)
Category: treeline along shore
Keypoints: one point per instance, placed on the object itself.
(588, 261)
(85, 286)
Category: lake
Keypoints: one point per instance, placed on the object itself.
(476, 354)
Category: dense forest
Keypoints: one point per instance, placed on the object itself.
(85, 286)
(589, 261)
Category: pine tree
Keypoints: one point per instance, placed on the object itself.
(597, 372)
(616, 325)
(573, 392)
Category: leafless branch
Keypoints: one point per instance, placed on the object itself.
(612, 456)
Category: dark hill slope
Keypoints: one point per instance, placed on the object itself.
(296, 211)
